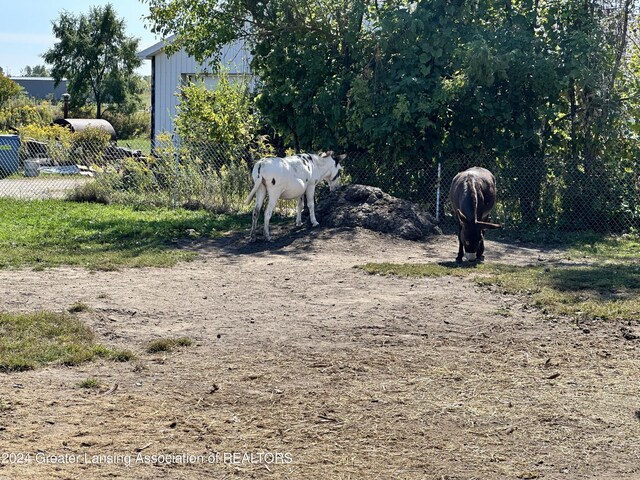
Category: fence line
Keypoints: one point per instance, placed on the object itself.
(542, 192)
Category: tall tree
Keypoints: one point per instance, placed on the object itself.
(540, 90)
(8, 88)
(594, 40)
(96, 57)
(304, 53)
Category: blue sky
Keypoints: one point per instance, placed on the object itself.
(25, 28)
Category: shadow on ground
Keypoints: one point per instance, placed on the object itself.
(285, 240)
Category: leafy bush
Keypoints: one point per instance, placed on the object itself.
(88, 146)
(136, 175)
(130, 126)
(8, 88)
(57, 138)
(22, 111)
(223, 118)
(65, 147)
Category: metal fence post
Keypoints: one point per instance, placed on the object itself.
(176, 176)
(438, 192)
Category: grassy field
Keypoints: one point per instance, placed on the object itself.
(579, 244)
(104, 237)
(619, 247)
(140, 143)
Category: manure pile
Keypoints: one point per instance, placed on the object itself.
(371, 208)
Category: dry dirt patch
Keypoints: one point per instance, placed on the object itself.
(332, 372)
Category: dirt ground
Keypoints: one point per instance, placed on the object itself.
(40, 187)
(304, 367)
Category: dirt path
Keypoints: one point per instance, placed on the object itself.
(41, 187)
(304, 367)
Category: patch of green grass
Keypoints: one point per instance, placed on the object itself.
(620, 247)
(139, 143)
(89, 383)
(35, 339)
(183, 342)
(168, 344)
(579, 244)
(79, 307)
(609, 291)
(160, 345)
(49, 233)
(121, 355)
(418, 269)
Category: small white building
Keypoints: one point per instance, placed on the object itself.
(169, 73)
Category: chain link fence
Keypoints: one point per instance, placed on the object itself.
(545, 192)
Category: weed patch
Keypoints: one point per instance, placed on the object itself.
(89, 383)
(79, 307)
(31, 340)
(168, 344)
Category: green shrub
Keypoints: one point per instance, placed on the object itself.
(88, 146)
(135, 125)
(57, 138)
(22, 111)
(98, 191)
(136, 175)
